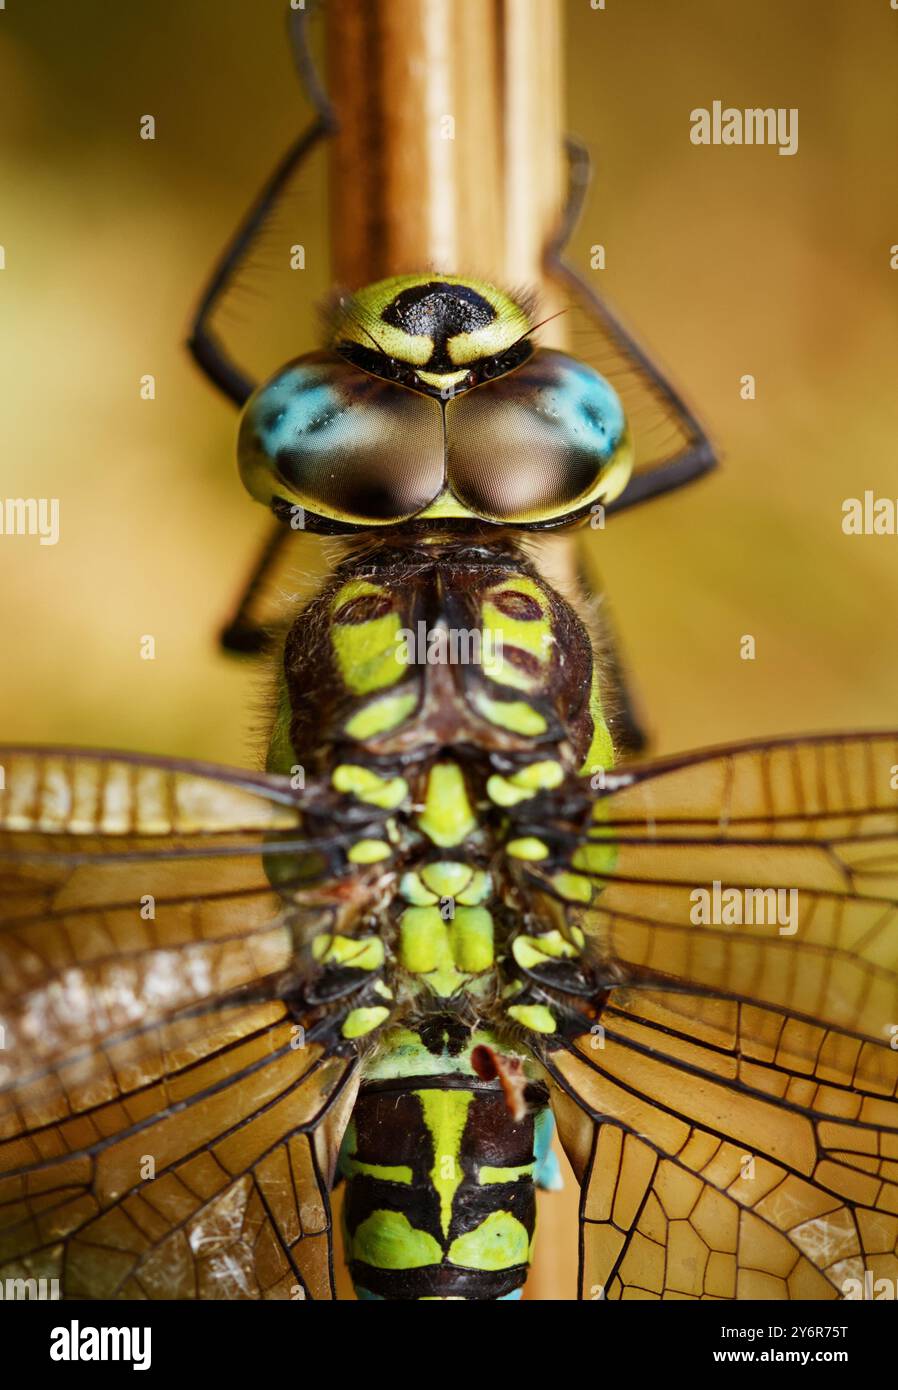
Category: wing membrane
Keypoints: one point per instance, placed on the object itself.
(208, 1181)
(799, 839)
(167, 1128)
(729, 1152)
(732, 1113)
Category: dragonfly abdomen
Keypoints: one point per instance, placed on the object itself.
(440, 1173)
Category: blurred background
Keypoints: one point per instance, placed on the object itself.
(723, 260)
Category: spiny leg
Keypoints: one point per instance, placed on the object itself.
(698, 456)
(204, 343)
(242, 633)
(629, 733)
(624, 716)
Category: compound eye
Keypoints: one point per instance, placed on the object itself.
(538, 443)
(341, 444)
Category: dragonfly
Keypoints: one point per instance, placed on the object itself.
(455, 909)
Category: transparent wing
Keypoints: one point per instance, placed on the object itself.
(729, 1102)
(168, 1129)
(728, 1151)
(796, 838)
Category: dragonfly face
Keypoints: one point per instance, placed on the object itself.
(440, 335)
(424, 379)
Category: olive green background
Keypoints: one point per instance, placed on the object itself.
(725, 261)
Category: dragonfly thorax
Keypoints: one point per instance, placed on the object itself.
(438, 767)
(406, 653)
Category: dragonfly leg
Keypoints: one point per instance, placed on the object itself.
(204, 343)
(243, 633)
(698, 455)
(625, 715)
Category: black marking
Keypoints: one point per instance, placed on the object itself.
(336, 982)
(439, 311)
(523, 607)
(524, 661)
(437, 1281)
(566, 976)
(363, 609)
(535, 1092)
(441, 1081)
(443, 1033)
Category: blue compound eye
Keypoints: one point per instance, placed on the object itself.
(536, 445)
(539, 443)
(342, 444)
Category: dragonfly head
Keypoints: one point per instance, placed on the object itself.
(432, 406)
